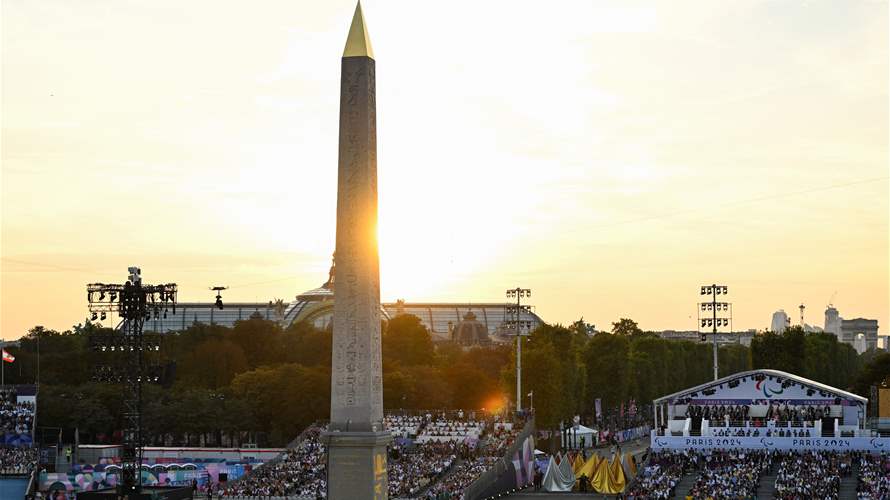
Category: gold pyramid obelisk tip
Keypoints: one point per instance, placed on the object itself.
(358, 43)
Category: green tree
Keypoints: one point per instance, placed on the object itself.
(212, 364)
(876, 372)
(285, 398)
(733, 359)
(606, 358)
(626, 326)
(306, 345)
(649, 367)
(780, 351)
(542, 374)
(407, 341)
(260, 340)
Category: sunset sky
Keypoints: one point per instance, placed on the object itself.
(611, 156)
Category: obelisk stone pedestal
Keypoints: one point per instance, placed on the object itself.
(357, 464)
(356, 440)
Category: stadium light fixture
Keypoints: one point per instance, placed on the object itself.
(714, 322)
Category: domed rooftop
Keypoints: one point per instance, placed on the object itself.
(322, 293)
(470, 332)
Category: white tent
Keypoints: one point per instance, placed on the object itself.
(572, 439)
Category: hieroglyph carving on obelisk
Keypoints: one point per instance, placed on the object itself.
(356, 438)
(356, 386)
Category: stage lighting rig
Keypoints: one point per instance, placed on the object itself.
(128, 346)
(218, 290)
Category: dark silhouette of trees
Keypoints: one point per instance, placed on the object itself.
(258, 382)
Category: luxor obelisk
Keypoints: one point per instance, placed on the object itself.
(356, 438)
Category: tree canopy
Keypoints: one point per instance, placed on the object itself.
(259, 382)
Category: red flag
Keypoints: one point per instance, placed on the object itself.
(8, 358)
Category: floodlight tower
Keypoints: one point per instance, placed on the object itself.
(714, 322)
(134, 303)
(518, 325)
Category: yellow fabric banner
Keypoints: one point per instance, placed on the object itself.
(601, 481)
(608, 478)
(588, 469)
(617, 474)
(579, 462)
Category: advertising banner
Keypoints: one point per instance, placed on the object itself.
(876, 445)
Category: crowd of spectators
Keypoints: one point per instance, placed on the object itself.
(659, 479)
(442, 429)
(499, 439)
(811, 474)
(777, 411)
(300, 473)
(411, 470)
(730, 475)
(785, 412)
(757, 432)
(17, 460)
(493, 446)
(452, 487)
(403, 426)
(439, 469)
(874, 478)
(15, 417)
(718, 412)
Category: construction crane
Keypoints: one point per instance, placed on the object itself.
(802, 307)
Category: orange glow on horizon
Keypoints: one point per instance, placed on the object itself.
(613, 163)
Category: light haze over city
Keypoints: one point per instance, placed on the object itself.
(611, 156)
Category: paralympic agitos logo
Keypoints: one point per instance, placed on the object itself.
(766, 390)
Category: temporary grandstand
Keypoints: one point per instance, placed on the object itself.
(18, 456)
(763, 409)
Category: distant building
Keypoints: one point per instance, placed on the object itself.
(780, 321)
(316, 307)
(861, 333)
(812, 328)
(743, 338)
(833, 322)
(470, 332)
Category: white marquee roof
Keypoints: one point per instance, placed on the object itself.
(670, 398)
